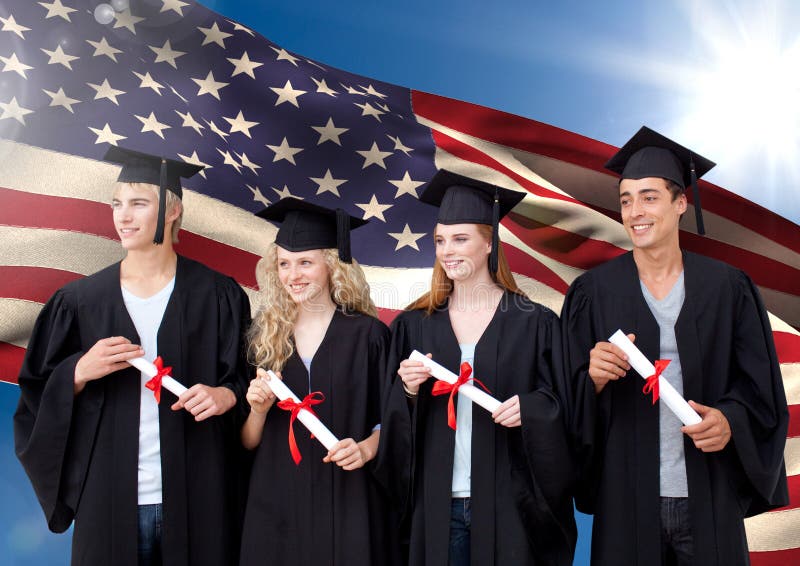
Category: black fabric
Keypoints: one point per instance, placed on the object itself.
(138, 167)
(81, 452)
(520, 478)
(729, 362)
(316, 513)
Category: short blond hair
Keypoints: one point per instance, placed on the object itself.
(172, 202)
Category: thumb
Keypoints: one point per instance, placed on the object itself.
(632, 337)
(701, 409)
(429, 356)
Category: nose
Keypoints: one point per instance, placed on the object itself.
(636, 208)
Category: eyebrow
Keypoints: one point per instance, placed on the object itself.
(640, 191)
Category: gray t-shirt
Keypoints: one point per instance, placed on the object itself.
(673, 463)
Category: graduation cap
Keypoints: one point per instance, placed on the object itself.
(649, 154)
(138, 167)
(307, 226)
(463, 200)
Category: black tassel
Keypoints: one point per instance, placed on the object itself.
(162, 203)
(493, 256)
(343, 235)
(698, 210)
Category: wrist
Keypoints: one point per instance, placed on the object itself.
(409, 393)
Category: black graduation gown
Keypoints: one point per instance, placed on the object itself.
(728, 361)
(521, 477)
(317, 514)
(81, 452)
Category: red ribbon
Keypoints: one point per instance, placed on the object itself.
(155, 382)
(443, 388)
(652, 382)
(295, 407)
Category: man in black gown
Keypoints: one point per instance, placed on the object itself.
(663, 493)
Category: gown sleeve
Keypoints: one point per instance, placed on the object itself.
(233, 371)
(377, 354)
(54, 429)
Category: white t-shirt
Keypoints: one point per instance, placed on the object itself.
(146, 315)
(462, 456)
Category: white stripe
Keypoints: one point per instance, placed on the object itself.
(16, 321)
(791, 382)
(777, 530)
(791, 455)
(779, 325)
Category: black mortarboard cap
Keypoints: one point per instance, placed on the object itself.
(463, 200)
(649, 154)
(138, 167)
(308, 226)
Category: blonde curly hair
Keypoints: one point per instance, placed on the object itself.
(270, 338)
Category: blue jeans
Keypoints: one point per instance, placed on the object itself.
(150, 535)
(677, 547)
(460, 521)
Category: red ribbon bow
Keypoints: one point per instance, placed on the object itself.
(155, 382)
(443, 388)
(652, 382)
(295, 407)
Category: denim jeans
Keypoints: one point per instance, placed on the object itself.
(150, 535)
(677, 546)
(460, 521)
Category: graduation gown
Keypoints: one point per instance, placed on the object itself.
(520, 477)
(728, 361)
(81, 452)
(317, 514)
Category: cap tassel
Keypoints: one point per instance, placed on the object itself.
(493, 261)
(698, 210)
(162, 203)
(343, 235)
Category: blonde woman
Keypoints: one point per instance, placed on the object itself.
(477, 488)
(318, 329)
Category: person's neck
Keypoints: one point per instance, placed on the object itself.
(476, 293)
(658, 264)
(157, 262)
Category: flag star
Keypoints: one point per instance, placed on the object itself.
(285, 151)
(323, 88)
(106, 135)
(351, 90)
(9, 24)
(15, 65)
(383, 107)
(284, 193)
(209, 85)
(58, 56)
(190, 122)
(59, 98)
(317, 65)
(406, 186)
(214, 35)
(239, 27)
(371, 90)
(374, 156)
(229, 160)
(398, 145)
(13, 110)
(327, 184)
(406, 238)
(105, 90)
(56, 8)
(176, 93)
(247, 163)
(127, 20)
(239, 124)
(216, 130)
(284, 55)
(175, 5)
(103, 48)
(329, 132)
(257, 194)
(149, 82)
(374, 209)
(368, 110)
(287, 94)
(195, 160)
(166, 54)
(244, 65)
(151, 124)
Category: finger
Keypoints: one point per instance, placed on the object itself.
(609, 368)
(114, 340)
(210, 412)
(698, 428)
(261, 373)
(177, 405)
(610, 358)
(701, 409)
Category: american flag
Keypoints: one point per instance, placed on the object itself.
(174, 78)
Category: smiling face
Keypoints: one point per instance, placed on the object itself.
(462, 250)
(135, 214)
(304, 275)
(649, 213)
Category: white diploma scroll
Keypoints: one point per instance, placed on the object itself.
(150, 370)
(475, 394)
(667, 393)
(309, 419)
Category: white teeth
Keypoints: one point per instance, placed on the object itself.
(640, 227)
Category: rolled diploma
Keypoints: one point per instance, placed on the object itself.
(309, 419)
(151, 370)
(667, 393)
(440, 372)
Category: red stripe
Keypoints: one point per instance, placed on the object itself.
(776, 557)
(524, 264)
(32, 283)
(542, 139)
(10, 361)
(788, 347)
(794, 422)
(388, 315)
(230, 260)
(794, 492)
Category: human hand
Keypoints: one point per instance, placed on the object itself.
(712, 433)
(607, 362)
